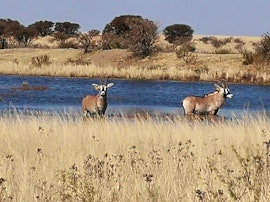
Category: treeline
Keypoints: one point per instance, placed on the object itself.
(14, 31)
(125, 32)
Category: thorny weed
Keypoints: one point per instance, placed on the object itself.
(103, 173)
(247, 179)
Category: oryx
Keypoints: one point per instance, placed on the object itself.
(96, 105)
(208, 104)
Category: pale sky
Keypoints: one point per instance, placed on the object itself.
(206, 17)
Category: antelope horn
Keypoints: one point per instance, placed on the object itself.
(106, 81)
(100, 80)
(218, 82)
(225, 84)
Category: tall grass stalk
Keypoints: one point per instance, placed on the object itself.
(61, 159)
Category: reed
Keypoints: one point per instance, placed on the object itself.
(63, 159)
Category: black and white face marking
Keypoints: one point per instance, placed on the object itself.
(102, 90)
(227, 93)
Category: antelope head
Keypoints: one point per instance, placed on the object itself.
(223, 88)
(102, 88)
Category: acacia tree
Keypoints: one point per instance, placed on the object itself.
(178, 34)
(25, 35)
(131, 32)
(67, 28)
(15, 33)
(43, 28)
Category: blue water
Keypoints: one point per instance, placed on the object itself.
(65, 94)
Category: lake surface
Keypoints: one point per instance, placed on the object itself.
(65, 95)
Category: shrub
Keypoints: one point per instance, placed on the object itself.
(248, 57)
(216, 42)
(68, 44)
(263, 48)
(185, 49)
(261, 56)
(205, 39)
(40, 61)
(238, 40)
(223, 51)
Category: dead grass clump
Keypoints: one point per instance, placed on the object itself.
(248, 57)
(78, 61)
(215, 42)
(223, 51)
(40, 61)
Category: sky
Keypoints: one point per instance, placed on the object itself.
(206, 17)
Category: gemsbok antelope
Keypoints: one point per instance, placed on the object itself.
(208, 104)
(96, 105)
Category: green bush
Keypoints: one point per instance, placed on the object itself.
(178, 33)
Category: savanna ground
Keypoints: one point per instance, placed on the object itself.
(61, 159)
(207, 63)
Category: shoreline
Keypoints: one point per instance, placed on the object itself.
(133, 79)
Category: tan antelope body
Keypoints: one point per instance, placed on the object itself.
(96, 105)
(208, 104)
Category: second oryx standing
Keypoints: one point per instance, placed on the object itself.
(208, 104)
(96, 105)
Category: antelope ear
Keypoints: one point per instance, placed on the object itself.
(217, 87)
(110, 85)
(96, 86)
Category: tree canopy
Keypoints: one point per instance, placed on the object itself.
(178, 33)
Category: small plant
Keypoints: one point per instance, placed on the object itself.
(205, 39)
(248, 57)
(78, 61)
(247, 180)
(184, 52)
(187, 57)
(39, 61)
(216, 42)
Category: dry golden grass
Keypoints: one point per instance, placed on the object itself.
(57, 159)
(204, 64)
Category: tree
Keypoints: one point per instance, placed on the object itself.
(9, 27)
(43, 28)
(178, 33)
(131, 32)
(8, 31)
(86, 40)
(67, 28)
(25, 35)
(115, 34)
(142, 35)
